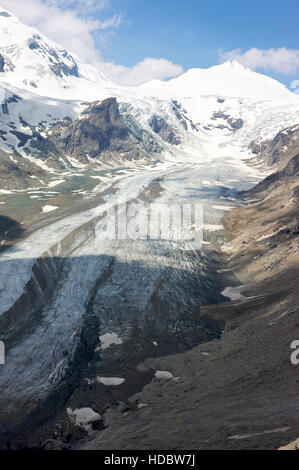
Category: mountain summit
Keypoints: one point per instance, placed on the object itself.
(230, 79)
(29, 60)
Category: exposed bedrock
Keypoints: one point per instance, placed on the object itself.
(164, 130)
(276, 152)
(56, 58)
(52, 332)
(100, 133)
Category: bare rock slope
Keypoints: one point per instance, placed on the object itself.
(99, 133)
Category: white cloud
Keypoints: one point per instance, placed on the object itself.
(280, 60)
(70, 23)
(63, 22)
(147, 69)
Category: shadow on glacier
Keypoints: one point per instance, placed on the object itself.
(213, 192)
(52, 331)
(10, 230)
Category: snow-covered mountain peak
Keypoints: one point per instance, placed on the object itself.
(46, 90)
(229, 95)
(29, 60)
(230, 79)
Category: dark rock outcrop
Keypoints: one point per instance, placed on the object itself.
(278, 151)
(160, 127)
(11, 99)
(285, 176)
(219, 115)
(235, 124)
(178, 110)
(181, 115)
(100, 133)
(61, 68)
(56, 59)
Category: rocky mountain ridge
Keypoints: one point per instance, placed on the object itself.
(221, 110)
(277, 152)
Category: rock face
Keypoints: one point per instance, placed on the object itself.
(182, 116)
(278, 151)
(2, 63)
(100, 133)
(178, 111)
(8, 101)
(19, 175)
(60, 68)
(235, 124)
(270, 222)
(288, 176)
(164, 130)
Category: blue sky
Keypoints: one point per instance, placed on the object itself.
(191, 32)
(119, 35)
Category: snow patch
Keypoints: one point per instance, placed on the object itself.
(212, 227)
(163, 375)
(108, 339)
(48, 208)
(110, 381)
(54, 183)
(233, 293)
